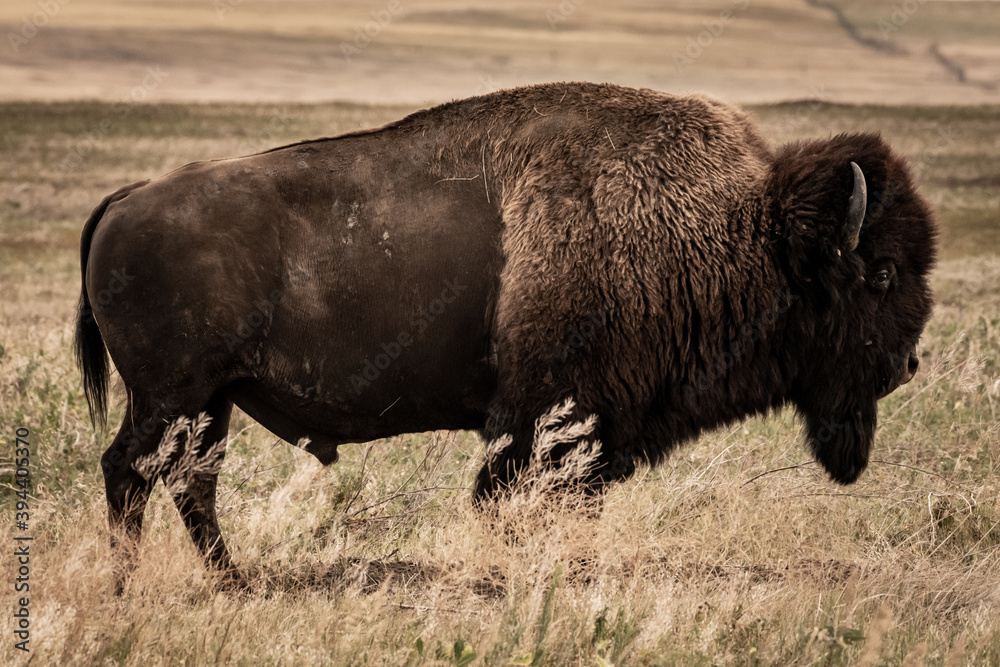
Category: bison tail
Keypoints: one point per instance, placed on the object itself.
(91, 356)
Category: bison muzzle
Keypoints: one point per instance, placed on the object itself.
(472, 265)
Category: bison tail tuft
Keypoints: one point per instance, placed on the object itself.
(91, 356)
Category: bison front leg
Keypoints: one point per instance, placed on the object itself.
(565, 449)
(507, 457)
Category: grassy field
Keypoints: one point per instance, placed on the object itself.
(737, 551)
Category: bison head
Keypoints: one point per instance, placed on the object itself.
(857, 244)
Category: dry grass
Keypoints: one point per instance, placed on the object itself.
(737, 551)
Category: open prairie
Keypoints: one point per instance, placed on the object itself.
(738, 550)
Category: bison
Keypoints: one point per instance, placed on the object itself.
(470, 266)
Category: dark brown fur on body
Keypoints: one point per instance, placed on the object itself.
(650, 256)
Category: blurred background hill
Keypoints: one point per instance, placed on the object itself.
(423, 51)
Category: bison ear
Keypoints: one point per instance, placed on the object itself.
(856, 207)
(818, 201)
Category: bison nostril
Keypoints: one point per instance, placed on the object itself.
(913, 363)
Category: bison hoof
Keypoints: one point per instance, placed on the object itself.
(231, 580)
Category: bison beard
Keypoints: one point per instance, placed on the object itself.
(842, 443)
(650, 256)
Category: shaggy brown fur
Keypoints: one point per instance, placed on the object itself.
(647, 255)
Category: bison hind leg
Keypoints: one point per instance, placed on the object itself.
(192, 482)
(127, 491)
(151, 444)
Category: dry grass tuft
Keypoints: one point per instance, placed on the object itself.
(179, 457)
(544, 491)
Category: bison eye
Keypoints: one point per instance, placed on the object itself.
(883, 277)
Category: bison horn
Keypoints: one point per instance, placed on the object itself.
(856, 206)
